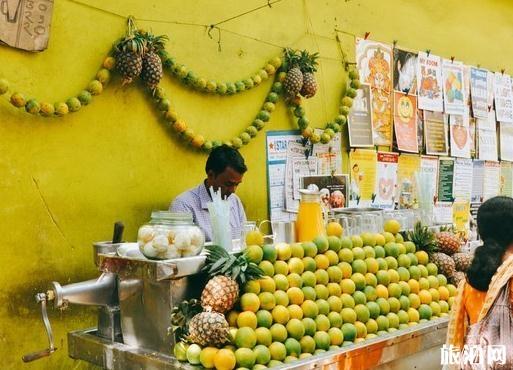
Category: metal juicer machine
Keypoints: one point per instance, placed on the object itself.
(135, 297)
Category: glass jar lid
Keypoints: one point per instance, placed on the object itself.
(171, 217)
(310, 196)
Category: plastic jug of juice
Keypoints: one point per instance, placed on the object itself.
(309, 223)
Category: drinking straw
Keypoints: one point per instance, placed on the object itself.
(219, 211)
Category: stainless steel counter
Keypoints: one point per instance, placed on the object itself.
(415, 348)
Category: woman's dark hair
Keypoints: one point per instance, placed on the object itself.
(495, 226)
(224, 156)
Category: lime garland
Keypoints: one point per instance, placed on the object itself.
(191, 80)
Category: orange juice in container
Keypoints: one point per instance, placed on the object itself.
(309, 223)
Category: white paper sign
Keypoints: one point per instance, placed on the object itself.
(503, 97)
(462, 186)
(487, 138)
(492, 177)
(506, 141)
(477, 181)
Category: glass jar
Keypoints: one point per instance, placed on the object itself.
(170, 235)
(309, 223)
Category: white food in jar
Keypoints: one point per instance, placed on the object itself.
(192, 251)
(197, 238)
(149, 250)
(171, 236)
(172, 252)
(182, 240)
(145, 234)
(160, 243)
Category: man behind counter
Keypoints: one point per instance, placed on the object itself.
(225, 168)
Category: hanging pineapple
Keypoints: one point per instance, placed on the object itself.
(308, 67)
(228, 273)
(294, 79)
(129, 52)
(152, 64)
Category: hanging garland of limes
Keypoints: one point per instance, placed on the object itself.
(140, 54)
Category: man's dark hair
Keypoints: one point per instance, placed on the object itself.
(223, 156)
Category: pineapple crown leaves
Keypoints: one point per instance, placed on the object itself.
(180, 317)
(237, 267)
(292, 59)
(308, 62)
(423, 238)
(154, 43)
(133, 41)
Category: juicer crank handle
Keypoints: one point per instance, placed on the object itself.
(42, 298)
(117, 236)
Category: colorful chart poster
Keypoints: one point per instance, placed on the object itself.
(477, 181)
(405, 71)
(460, 135)
(506, 187)
(374, 62)
(506, 141)
(362, 164)
(408, 166)
(445, 180)
(479, 92)
(487, 138)
(454, 87)
(435, 133)
(503, 97)
(492, 178)
(461, 216)
(360, 119)
(462, 186)
(429, 82)
(386, 180)
(429, 165)
(405, 122)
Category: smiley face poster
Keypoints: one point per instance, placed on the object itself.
(386, 180)
(405, 122)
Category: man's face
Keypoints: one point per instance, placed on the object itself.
(227, 181)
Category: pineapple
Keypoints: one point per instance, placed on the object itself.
(181, 316)
(294, 78)
(423, 238)
(129, 53)
(457, 277)
(462, 261)
(152, 64)
(448, 242)
(209, 329)
(308, 67)
(228, 272)
(444, 262)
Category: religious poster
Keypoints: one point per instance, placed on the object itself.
(362, 163)
(26, 24)
(487, 138)
(386, 180)
(454, 87)
(435, 133)
(429, 82)
(374, 61)
(405, 122)
(462, 186)
(460, 135)
(405, 71)
(492, 179)
(506, 184)
(503, 97)
(479, 92)
(408, 166)
(360, 119)
(446, 180)
(506, 141)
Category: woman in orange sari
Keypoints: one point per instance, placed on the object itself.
(489, 274)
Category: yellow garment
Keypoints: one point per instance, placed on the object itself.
(472, 305)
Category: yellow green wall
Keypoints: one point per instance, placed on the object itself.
(63, 182)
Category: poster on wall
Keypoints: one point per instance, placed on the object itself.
(429, 82)
(26, 24)
(408, 165)
(420, 130)
(374, 62)
(487, 138)
(435, 133)
(491, 89)
(466, 83)
(492, 178)
(405, 71)
(477, 181)
(360, 119)
(506, 187)
(479, 92)
(362, 163)
(386, 180)
(503, 97)
(405, 122)
(445, 179)
(460, 135)
(454, 87)
(506, 141)
(462, 187)
(461, 216)
(472, 130)
(429, 165)
(333, 189)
